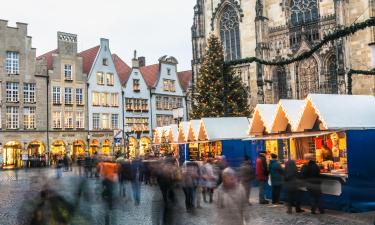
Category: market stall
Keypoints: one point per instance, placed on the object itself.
(224, 137)
(183, 131)
(173, 138)
(339, 132)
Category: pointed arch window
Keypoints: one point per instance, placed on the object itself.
(303, 11)
(308, 77)
(331, 76)
(230, 34)
(280, 84)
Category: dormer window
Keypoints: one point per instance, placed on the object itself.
(105, 62)
(68, 72)
(169, 71)
(136, 85)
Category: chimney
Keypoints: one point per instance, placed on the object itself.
(135, 62)
(67, 43)
(22, 27)
(142, 61)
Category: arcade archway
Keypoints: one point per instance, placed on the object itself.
(132, 148)
(94, 147)
(144, 146)
(106, 148)
(12, 152)
(79, 149)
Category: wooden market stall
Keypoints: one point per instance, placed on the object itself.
(183, 131)
(339, 131)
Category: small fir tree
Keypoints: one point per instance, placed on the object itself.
(219, 91)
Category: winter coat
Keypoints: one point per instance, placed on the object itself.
(276, 173)
(246, 172)
(261, 170)
(291, 177)
(310, 172)
(209, 176)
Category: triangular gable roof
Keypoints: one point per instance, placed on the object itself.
(193, 132)
(262, 118)
(338, 112)
(287, 112)
(150, 74)
(88, 58)
(49, 58)
(158, 132)
(226, 128)
(185, 78)
(173, 133)
(183, 131)
(123, 70)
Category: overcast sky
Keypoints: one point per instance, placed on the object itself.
(153, 28)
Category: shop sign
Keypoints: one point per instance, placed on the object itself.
(68, 135)
(25, 157)
(118, 141)
(100, 135)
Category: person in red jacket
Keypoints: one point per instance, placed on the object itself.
(261, 174)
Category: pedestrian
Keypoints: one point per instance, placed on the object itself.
(276, 175)
(210, 180)
(230, 199)
(247, 176)
(261, 173)
(189, 180)
(59, 163)
(88, 165)
(136, 170)
(310, 172)
(292, 185)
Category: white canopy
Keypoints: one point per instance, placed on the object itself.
(173, 133)
(287, 112)
(183, 131)
(158, 134)
(262, 119)
(338, 112)
(227, 128)
(193, 132)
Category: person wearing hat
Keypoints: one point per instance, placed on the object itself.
(261, 174)
(310, 172)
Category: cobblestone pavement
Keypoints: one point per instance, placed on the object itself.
(20, 190)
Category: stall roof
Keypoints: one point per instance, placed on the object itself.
(289, 135)
(157, 134)
(228, 128)
(262, 118)
(287, 112)
(194, 127)
(338, 112)
(183, 131)
(173, 133)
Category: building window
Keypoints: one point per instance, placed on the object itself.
(114, 121)
(68, 72)
(104, 99)
(138, 123)
(179, 103)
(129, 104)
(165, 103)
(12, 63)
(166, 85)
(1, 95)
(159, 105)
(96, 121)
(230, 34)
(29, 117)
(136, 85)
(100, 78)
(105, 121)
(110, 81)
(79, 96)
(56, 118)
(12, 92)
(29, 93)
(68, 96)
(303, 11)
(169, 71)
(56, 95)
(12, 117)
(68, 120)
(1, 126)
(144, 105)
(169, 85)
(114, 99)
(164, 120)
(80, 118)
(96, 99)
(308, 77)
(105, 62)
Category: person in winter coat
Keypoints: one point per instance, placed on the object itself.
(189, 181)
(276, 174)
(247, 176)
(292, 184)
(210, 180)
(231, 202)
(310, 172)
(261, 173)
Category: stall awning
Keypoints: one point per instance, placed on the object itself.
(290, 135)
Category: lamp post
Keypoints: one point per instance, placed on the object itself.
(88, 143)
(178, 115)
(128, 130)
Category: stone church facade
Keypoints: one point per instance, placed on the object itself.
(277, 29)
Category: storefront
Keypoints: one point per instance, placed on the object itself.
(79, 149)
(144, 146)
(11, 155)
(106, 148)
(58, 149)
(132, 147)
(35, 154)
(338, 132)
(94, 147)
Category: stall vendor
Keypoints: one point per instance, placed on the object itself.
(326, 153)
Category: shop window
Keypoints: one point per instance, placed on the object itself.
(12, 63)
(29, 117)
(12, 119)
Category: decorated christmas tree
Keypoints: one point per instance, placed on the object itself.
(219, 91)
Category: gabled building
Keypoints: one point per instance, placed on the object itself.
(23, 98)
(66, 98)
(167, 92)
(137, 110)
(104, 91)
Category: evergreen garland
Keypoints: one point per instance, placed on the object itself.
(339, 33)
(358, 72)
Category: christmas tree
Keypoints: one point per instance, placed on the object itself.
(219, 91)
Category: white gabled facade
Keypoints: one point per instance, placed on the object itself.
(137, 102)
(167, 94)
(104, 92)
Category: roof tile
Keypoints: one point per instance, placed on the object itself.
(150, 74)
(123, 70)
(88, 57)
(49, 57)
(185, 78)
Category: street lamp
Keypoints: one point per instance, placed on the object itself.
(178, 115)
(128, 130)
(88, 143)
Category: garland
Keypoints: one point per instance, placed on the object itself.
(358, 72)
(339, 33)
